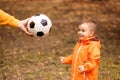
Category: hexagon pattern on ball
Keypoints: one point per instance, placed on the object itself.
(39, 25)
(44, 22)
(32, 24)
(37, 15)
(40, 34)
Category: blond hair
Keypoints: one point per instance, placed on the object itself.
(92, 25)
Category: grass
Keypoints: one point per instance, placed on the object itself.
(26, 58)
(109, 68)
(35, 66)
(46, 66)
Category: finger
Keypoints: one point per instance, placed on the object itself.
(26, 31)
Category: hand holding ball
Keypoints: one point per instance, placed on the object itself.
(39, 25)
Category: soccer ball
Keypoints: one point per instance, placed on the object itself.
(39, 25)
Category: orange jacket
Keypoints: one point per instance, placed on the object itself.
(6, 19)
(86, 53)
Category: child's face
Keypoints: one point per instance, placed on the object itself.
(84, 31)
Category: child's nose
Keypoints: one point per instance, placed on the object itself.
(79, 32)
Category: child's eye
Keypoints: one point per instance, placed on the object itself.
(79, 30)
(83, 30)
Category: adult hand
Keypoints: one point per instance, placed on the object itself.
(23, 26)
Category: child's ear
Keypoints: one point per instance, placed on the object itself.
(92, 33)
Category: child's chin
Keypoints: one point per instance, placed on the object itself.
(80, 38)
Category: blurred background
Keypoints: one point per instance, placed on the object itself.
(31, 58)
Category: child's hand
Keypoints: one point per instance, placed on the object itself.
(81, 68)
(61, 59)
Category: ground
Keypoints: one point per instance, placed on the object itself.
(31, 58)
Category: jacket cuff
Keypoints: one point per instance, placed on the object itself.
(14, 22)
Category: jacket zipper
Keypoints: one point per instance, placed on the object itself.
(76, 61)
(84, 75)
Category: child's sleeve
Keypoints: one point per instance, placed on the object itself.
(93, 58)
(6, 19)
(68, 60)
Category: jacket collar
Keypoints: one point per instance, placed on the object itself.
(88, 40)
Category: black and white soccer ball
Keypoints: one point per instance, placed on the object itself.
(39, 25)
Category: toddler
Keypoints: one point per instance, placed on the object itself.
(86, 55)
